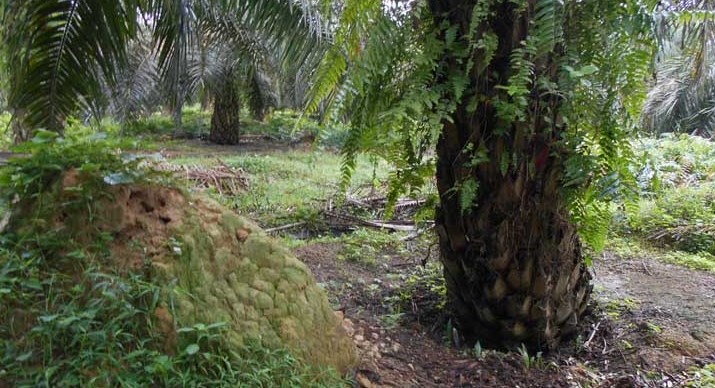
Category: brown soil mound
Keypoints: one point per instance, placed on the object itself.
(213, 266)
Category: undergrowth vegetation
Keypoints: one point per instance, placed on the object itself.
(69, 318)
(676, 207)
(289, 187)
(5, 131)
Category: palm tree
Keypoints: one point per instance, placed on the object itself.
(62, 51)
(682, 98)
(529, 105)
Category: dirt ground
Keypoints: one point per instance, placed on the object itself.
(649, 322)
(647, 325)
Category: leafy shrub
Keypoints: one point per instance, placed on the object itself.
(676, 208)
(5, 131)
(683, 218)
(674, 161)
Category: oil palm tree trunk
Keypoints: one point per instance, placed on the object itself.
(20, 132)
(225, 118)
(512, 260)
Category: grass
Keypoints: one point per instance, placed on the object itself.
(701, 377)
(292, 186)
(635, 247)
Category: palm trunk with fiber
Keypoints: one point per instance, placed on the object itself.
(225, 118)
(512, 259)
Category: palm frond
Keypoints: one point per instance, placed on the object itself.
(261, 93)
(135, 92)
(682, 97)
(55, 46)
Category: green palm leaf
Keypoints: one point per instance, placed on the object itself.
(53, 49)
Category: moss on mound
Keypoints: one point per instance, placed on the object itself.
(80, 217)
(220, 267)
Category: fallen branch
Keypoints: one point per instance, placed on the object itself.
(352, 220)
(593, 333)
(226, 179)
(284, 227)
(417, 233)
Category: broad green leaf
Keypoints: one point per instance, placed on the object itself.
(192, 349)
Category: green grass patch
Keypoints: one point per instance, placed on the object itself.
(369, 245)
(291, 186)
(701, 377)
(634, 247)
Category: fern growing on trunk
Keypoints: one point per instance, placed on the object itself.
(529, 105)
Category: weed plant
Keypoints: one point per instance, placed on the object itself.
(289, 125)
(676, 207)
(5, 131)
(194, 122)
(701, 377)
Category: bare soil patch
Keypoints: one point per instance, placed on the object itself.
(649, 322)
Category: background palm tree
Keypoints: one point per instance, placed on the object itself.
(682, 98)
(65, 52)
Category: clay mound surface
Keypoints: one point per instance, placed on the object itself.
(216, 266)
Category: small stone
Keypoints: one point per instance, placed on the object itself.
(396, 347)
(698, 335)
(242, 234)
(375, 336)
(359, 338)
(411, 366)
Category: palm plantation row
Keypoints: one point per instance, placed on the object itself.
(522, 108)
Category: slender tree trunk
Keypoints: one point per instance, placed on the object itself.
(225, 119)
(177, 115)
(512, 259)
(205, 99)
(20, 132)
